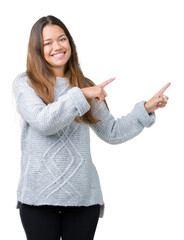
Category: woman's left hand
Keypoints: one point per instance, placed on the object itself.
(158, 100)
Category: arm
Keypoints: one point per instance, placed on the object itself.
(48, 119)
(122, 129)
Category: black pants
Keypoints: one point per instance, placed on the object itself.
(52, 222)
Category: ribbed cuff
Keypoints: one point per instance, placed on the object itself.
(79, 100)
(140, 112)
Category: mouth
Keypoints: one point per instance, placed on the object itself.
(58, 55)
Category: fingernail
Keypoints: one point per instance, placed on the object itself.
(165, 99)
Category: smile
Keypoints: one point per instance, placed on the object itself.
(58, 55)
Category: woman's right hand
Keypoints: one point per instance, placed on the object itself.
(97, 91)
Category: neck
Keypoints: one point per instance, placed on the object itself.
(59, 72)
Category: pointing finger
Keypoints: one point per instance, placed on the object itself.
(106, 82)
(162, 90)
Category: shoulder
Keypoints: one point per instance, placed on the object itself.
(21, 81)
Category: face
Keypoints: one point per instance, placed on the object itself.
(56, 48)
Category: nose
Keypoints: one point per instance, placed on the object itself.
(56, 45)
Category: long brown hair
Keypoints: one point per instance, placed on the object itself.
(41, 75)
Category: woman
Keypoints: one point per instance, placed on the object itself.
(59, 192)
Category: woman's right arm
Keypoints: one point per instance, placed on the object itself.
(48, 119)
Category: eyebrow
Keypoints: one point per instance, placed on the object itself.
(51, 39)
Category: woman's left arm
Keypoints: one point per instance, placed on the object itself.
(127, 127)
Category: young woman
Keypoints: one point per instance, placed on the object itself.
(59, 192)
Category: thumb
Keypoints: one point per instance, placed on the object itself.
(159, 101)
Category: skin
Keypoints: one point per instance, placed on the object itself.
(159, 100)
(59, 43)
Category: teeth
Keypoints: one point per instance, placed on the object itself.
(59, 54)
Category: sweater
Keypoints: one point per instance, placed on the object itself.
(56, 166)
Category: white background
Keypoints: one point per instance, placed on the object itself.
(141, 43)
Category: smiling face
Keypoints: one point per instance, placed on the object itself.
(56, 48)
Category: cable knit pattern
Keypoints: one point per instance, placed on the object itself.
(56, 163)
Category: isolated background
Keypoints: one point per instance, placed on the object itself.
(141, 43)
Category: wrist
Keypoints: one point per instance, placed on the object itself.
(146, 107)
(83, 91)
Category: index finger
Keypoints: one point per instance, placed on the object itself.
(105, 83)
(162, 90)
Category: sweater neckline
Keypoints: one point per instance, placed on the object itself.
(60, 80)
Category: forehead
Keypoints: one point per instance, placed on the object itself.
(52, 31)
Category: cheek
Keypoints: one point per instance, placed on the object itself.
(67, 46)
(46, 52)
(69, 50)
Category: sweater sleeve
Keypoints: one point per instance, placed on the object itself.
(48, 119)
(124, 128)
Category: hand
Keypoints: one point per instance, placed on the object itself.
(158, 100)
(97, 91)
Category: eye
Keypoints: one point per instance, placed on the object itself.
(47, 43)
(62, 39)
